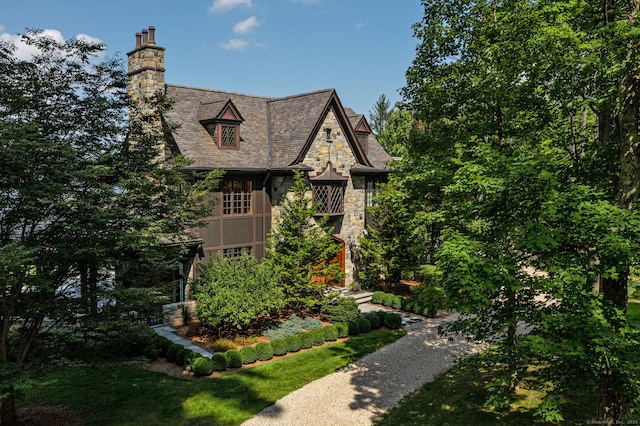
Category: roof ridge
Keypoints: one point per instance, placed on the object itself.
(268, 98)
(299, 95)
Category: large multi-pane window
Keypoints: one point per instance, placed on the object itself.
(236, 196)
(330, 198)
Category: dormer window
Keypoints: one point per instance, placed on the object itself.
(222, 120)
(363, 141)
(363, 131)
(228, 135)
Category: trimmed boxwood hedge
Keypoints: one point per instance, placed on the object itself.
(234, 360)
(203, 366)
(354, 330)
(396, 302)
(393, 320)
(219, 362)
(293, 343)
(374, 320)
(264, 351)
(172, 352)
(317, 336)
(331, 333)
(306, 340)
(377, 296)
(248, 354)
(279, 347)
(364, 326)
(343, 329)
(387, 299)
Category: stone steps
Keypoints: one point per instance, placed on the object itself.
(360, 296)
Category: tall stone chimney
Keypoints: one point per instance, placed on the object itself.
(146, 67)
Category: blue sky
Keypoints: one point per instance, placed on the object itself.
(362, 48)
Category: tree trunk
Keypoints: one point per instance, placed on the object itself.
(8, 409)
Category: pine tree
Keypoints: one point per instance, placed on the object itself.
(301, 248)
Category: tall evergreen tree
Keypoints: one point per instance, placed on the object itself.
(77, 202)
(379, 114)
(301, 248)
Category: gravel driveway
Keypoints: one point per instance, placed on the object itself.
(362, 392)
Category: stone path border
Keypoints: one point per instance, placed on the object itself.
(169, 333)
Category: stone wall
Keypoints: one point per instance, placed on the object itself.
(172, 313)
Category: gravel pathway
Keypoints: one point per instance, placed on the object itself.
(362, 392)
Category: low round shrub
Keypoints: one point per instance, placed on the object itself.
(407, 304)
(234, 360)
(280, 330)
(293, 343)
(189, 358)
(374, 320)
(381, 315)
(363, 325)
(219, 362)
(279, 347)
(418, 307)
(264, 351)
(317, 336)
(248, 354)
(163, 345)
(343, 329)
(343, 309)
(202, 366)
(181, 356)
(306, 340)
(377, 296)
(393, 320)
(354, 329)
(173, 351)
(331, 333)
(396, 303)
(387, 299)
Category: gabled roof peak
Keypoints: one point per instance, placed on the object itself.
(329, 174)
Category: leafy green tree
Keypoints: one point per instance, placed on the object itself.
(396, 132)
(379, 114)
(81, 194)
(301, 248)
(233, 293)
(528, 106)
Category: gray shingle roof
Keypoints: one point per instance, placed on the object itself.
(273, 135)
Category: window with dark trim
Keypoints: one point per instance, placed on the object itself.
(329, 198)
(236, 196)
(371, 189)
(235, 252)
(228, 135)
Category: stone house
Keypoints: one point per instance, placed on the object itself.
(259, 142)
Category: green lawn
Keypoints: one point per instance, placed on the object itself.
(125, 395)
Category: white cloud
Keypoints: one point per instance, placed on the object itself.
(246, 26)
(306, 1)
(224, 5)
(26, 51)
(359, 25)
(89, 39)
(234, 44)
(2, 27)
